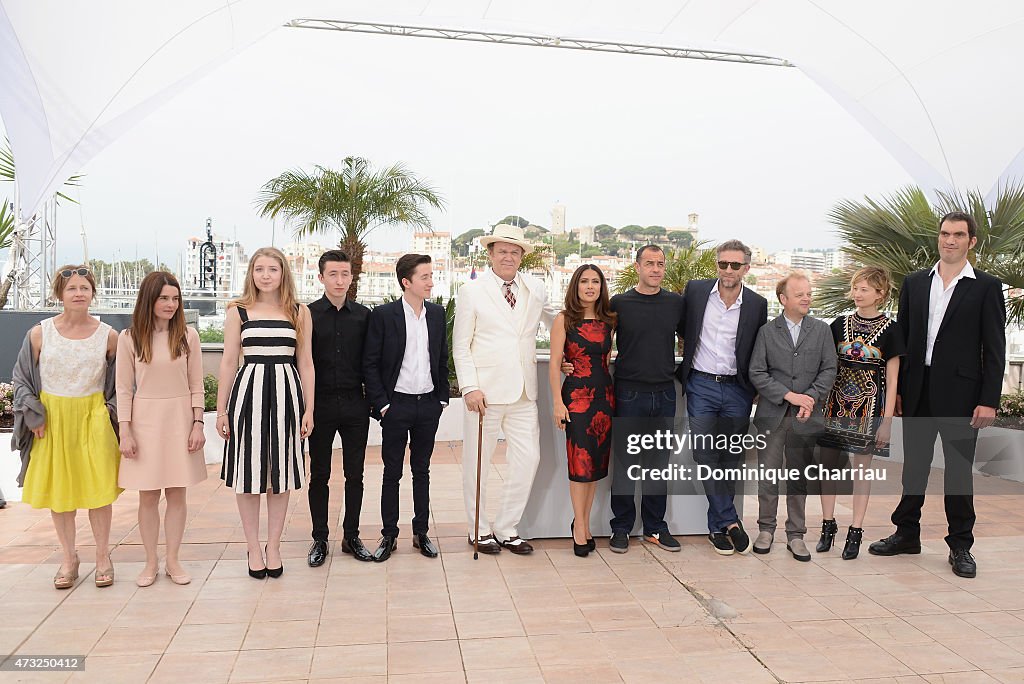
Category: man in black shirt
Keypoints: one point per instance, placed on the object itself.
(339, 329)
(649, 319)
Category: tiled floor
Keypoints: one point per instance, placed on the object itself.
(646, 616)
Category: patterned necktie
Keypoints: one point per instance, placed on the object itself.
(510, 296)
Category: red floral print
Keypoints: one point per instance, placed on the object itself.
(579, 360)
(580, 463)
(609, 395)
(592, 331)
(599, 426)
(581, 399)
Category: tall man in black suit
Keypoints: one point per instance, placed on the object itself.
(406, 365)
(339, 328)
(722, 318)
(954, 320)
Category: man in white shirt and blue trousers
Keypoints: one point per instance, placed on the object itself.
(722, 319)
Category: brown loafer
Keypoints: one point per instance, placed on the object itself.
(487, 544)
(518, 546)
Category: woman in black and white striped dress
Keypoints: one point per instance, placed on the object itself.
(265, 408)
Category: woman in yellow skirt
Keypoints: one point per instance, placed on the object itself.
(74, 454)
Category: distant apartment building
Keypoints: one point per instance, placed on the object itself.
(225, 280)
(303, 260)
(438, 245)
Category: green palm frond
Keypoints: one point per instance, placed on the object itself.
(6, 225)
(353, 201)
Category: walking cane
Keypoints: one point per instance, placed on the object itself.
(479, 449)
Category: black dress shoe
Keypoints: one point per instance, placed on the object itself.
(274, 572)
(591, 544)
(426, 547)
(893, 545)
(317, 554)
(828, 535)
(387, 545)
(255, 574)
(354, 545)
(963, 563)
(853, 539)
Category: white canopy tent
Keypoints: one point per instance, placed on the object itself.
(917, 75)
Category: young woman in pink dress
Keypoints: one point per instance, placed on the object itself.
(160, 411)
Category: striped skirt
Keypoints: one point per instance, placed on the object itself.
(264, 452)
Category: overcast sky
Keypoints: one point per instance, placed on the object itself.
(759, 152)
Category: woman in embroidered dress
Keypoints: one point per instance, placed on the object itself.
(160, 408)
(265, 408)
(74, 456)
(585, 402)
(860, 407)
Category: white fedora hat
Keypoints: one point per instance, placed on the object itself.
(504, 232)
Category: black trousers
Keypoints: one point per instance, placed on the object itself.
(959, 440)
(347, 414)
(411, 419)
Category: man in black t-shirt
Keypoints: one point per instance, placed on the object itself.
(649, 319)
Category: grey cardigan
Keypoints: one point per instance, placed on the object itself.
(778, 367)
(28, 409)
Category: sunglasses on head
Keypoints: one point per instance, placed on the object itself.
(68, 272)
(734, 265)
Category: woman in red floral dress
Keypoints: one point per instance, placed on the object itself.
(585, 403)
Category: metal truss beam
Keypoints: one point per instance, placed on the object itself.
(537, 41)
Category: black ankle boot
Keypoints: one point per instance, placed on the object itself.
(828, 535)
(853, 537)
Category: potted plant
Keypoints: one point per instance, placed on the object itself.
(1011, 411)
(214, 449)
(10, 461)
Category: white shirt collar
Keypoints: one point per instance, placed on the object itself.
(791, 324)
(502, 282)
(966, 272)
(739, 300)
(409, 310)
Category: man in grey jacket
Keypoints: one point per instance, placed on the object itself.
(792, 368)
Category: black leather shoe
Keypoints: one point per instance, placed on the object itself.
(963, 563)
(256, 574)
(828, 535)
(354, 545)
(274, 572)
(894, 545)
(591, 544)
(853, 539)
(426, 547)
(317, 554)
(387, 545)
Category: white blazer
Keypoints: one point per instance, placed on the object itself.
(495, 350)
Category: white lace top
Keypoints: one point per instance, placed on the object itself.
(73, 368)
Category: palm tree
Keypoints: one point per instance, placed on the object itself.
(354, 201)
(681, 266)
(8, 221)
(900, 233)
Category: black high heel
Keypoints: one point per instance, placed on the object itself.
(591, 544)
(828, 535)
(853, 538)
(274, 572)
(255, 574)
(581, 550)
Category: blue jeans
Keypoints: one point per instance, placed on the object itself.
(630, 404)
(718, 408)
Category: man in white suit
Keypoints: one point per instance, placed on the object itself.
(494, 348)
